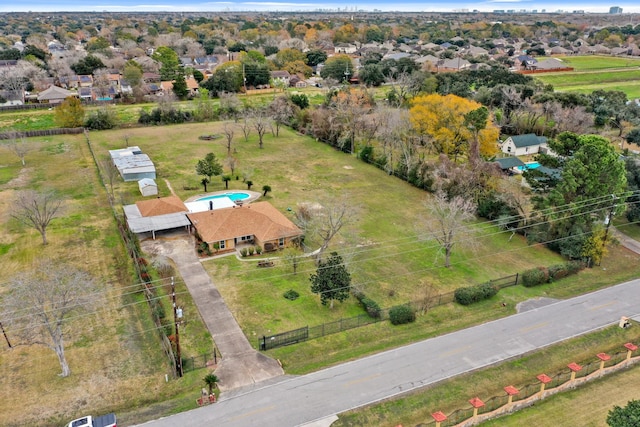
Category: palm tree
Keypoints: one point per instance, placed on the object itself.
(266, 189)
(226, 179)
(249, 184)
(210, 380)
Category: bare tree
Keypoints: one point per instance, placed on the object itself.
(41, 301)
(282, 111)
(245, 125)
(18, 145)
(261, 123)
(232, 163)
(36, 210)
(228, 129)
(110, 172)
(447, 224)
(326, 221)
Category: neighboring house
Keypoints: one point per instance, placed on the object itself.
(132, 164)
(522, 145)
(85, 93)
(166, 87)
(54, 95)
(162, 213)
(345, 48)
(549, 64)
(257, 223)
(85, 80)
(192, 86)
(148, 187)
(455, 64)
(282, 76)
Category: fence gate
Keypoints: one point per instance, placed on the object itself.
(285, 338)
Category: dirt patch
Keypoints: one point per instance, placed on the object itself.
(19, 181)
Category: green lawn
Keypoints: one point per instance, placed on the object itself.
(599, 62)
(596, 72)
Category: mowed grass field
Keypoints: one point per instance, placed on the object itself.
(113, 351)
(115, 358)
(596, 72)
(384, 244)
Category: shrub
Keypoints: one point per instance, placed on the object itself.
(244, 252)
(401, 314)
(251, 250)
(101, 120)
(470, 294)
(258, 250)
(372, 307)
(534, 277)
(574, 266)
(291, 295)
(358, 294)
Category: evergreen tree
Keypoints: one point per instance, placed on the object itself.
(331, 280)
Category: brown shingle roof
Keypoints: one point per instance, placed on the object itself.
(161, 206)
(259, 219)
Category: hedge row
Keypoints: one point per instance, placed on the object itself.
(470, 294)
(541, 275)
(371, 307)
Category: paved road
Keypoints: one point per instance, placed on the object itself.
(300, 400)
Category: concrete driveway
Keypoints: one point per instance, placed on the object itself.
(241, 365)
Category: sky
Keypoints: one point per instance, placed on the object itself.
(628, 6)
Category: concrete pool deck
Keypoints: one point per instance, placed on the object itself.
(253, 195)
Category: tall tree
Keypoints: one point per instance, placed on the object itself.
(70, 113)
(593, 182)
(442, 119)
(209, 166)
(261, 122)
(41, 301)
(331, 281)
(281, 110)
(325, 222)
(339, 67)
(448, 220)
(170, 63)
(36, 210)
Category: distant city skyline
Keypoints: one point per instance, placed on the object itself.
(309, 6)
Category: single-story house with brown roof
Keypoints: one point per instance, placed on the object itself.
(162, 213)
(257, 223)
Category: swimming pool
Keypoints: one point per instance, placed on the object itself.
(532, 165)
(232, 196)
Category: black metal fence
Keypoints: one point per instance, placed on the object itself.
(201, 361)
(341, 325)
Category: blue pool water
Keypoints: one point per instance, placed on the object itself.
(532, 165)
(232, 196)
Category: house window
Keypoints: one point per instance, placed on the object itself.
(246, 238)
(281, 242)
(222, 244)
(508, 148)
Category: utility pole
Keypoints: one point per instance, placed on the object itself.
(244, 80)
(175, 322)
(5, 335)
(608, 220)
